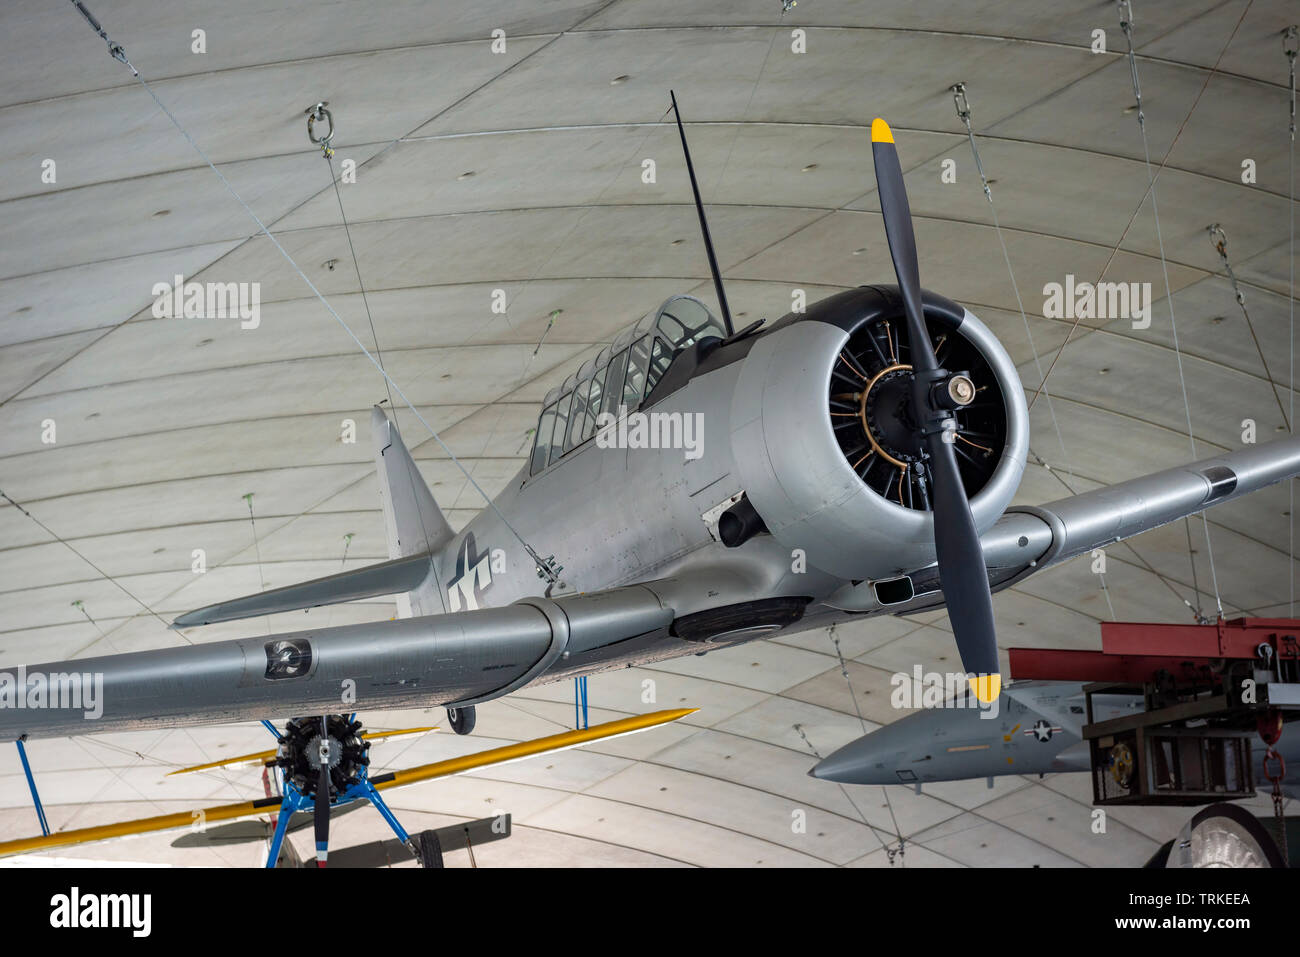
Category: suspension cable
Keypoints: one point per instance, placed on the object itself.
(563, 241)
(898, 848)
(1128, 544)
(63, 541)
(546, 567)
(1219, 239)
(1126, 24)
(771, 44)
(893, 849)
(1069, 336)
(962, 103)
(257, 552)
(1290, 43)
(316, 114)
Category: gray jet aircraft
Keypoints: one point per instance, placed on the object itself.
(1038, 729)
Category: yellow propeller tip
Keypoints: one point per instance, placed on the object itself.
(880, 131)
(986, 687)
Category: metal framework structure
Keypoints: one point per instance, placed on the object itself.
(1208, 688)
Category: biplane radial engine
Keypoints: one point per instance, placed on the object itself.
(696, 487)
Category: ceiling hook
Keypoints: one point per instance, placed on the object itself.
(1219, 238)
(314, 115)
(1125, 15)
(958, 91)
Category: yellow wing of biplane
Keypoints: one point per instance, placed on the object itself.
(264, 757)
(391, 779)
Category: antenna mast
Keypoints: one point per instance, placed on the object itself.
(704, 223)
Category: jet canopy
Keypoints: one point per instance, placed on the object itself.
(621, 376)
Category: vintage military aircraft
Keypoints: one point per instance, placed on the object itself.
(1039, 730)
(855, 459)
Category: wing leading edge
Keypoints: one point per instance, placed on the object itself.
(1080, 523)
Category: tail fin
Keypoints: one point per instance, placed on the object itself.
(414, 522)
(411, 516)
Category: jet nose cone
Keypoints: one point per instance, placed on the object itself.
(859, 762)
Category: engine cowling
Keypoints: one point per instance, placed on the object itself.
(823, 438)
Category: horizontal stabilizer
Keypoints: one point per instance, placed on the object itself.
(386, 578)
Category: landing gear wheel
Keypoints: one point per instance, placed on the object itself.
(462, 719)
(428, 849)
(1224, 835)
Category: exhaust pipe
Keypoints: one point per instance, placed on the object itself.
(739, 524)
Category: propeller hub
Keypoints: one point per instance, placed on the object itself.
(304, 749)
(961, 390)
(328, 752)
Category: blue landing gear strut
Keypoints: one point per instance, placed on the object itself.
(346, 751)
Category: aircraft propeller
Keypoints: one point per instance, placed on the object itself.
(936, 393)
(321, 810)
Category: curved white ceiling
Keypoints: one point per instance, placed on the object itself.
(163, 425)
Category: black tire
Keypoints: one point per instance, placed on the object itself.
(430, 849)
(1250, 833)
(461, 719)
(1161, 857)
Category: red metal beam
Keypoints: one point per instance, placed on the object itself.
(1044, 664)
(1238, 638)
(1134, 651)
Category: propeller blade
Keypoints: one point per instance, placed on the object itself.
(902, 241)
(321, 815)
(962, 572)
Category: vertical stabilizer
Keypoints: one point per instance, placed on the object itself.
(412, 519)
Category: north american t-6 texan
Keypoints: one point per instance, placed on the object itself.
(856, 459)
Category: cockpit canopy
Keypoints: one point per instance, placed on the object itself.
(620, 377)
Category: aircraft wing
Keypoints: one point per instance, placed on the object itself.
(1072, 526)
(456, 659)
(267, 757)
(392, 779)
(1030, 538)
